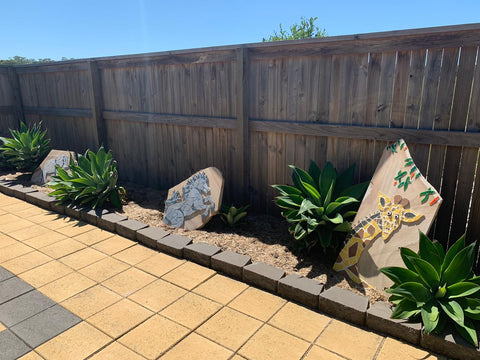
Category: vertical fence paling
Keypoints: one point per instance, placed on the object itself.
(249, 110)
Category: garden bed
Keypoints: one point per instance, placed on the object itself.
(264, 238)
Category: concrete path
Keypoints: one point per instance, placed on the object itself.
(69, 290)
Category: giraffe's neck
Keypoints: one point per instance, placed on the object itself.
(368, 228)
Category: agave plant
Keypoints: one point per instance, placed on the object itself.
(232, 216)
(320, 205)
(26, 149)
(437, 287)
(92, 181)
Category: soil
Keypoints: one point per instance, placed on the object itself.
(264, 238)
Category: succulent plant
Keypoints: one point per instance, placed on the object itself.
(26, 149)
(320, 205)
(437, 287)
(232, 216)
(92, 181)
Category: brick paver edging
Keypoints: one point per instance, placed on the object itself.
(338, 302)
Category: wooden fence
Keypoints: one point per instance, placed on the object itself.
(251, 110)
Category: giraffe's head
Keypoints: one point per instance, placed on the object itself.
(393, 214)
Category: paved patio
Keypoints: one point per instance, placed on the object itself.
(69, 290)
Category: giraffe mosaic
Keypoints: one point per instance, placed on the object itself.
(398, 203)
(385, 221)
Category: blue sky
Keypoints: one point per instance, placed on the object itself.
(86, 28)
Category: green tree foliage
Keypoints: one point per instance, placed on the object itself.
(305, 30)
(21, 60)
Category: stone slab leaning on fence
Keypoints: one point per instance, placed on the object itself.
(398, 203)
(192, 203)
(46, 169)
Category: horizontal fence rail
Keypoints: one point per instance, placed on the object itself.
(253, 109)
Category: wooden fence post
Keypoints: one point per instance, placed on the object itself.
(17, 95)
(243, 153)
(96, 101)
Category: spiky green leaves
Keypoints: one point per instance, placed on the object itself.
(232, 216)
(26, 149)
(438, 286)
(91, 181)
(320, 204)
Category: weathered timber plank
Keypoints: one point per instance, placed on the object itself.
(96, 101)
(17, 95)
(437, 137)
(453, 156)
(57, 111)
(171, 119)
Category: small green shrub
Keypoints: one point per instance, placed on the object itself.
(92, 181)
(437, 287)
(320, 204)
(232, 216)
(26, 149)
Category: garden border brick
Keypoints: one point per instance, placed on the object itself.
(263, 276)
(230, 263)
(201, 253)
(151, 235)
(340, 303)
(344, 304)
(300, 289)
(173, 244)
(91, 216)
(378, 318)
(128, 228)
(108, 221)
(40, 199)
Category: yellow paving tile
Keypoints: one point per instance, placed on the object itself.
(91, 301)
(6, 240)
(2, 327)
(116, 351)
(272, 344)
(27, 213)
(300, 321)
(229, 328)
(32, 355)
(189, 275)
(49, 216)
(129, 281)
(135, 254)
(78, 342)
(396, 350)
(141, 340)
(191, 310)
(58, 222)
(159, 264)
(12, 251)
(62, 248)
(76, 229)
(82, 258)
(317, 352)
(18, 207)
(8, 219)
(220, 288)
(349, 341)
(197, 347)
(66, 286)
(15, 225)
(157, 295)
(46, 239)
(114, 245)
(2, 212)
(29, 232)
(104, 269)
(45, 273)
(94, 236)
(26, 262)
(257, 303)
(120, 317)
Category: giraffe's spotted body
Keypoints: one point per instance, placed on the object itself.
(388, 219)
